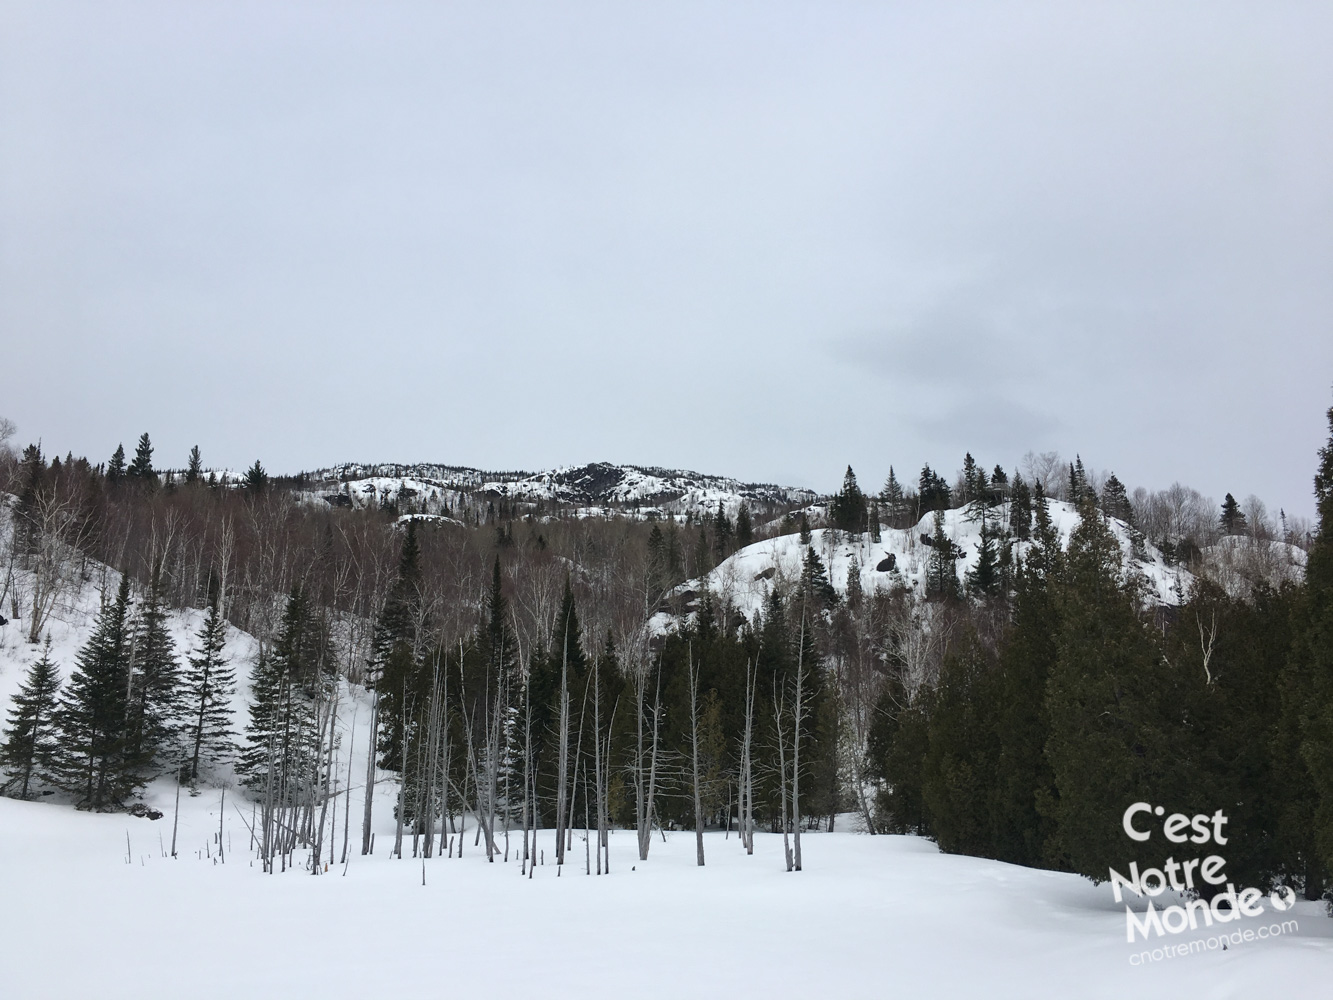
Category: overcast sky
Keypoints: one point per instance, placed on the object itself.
(762, 240)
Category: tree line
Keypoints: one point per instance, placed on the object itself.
(516, 685)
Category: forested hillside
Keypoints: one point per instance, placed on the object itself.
(999, 661)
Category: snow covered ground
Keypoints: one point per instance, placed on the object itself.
(93, 907)
(870, 916)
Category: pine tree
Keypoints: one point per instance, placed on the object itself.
(394, 661)
(499, 646)
(848, 509)
(933, 492)
(1114, 737)
(984, 578)
(30, 744)
(115, 469)
(815, 582)
(1020, 509)
(154, 685)
(1232, 519)
(657, 570)
(891, 495)
(1115, 501)
(721, 533)
(875, 535)
(744, 529)
(141, 469)
(282, 734)
(942, 577)
(804, 523)
(972, 481)
(210, 681)
(256, 479)
(195, 468)
(95, 762)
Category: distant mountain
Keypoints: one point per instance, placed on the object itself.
(596, 489)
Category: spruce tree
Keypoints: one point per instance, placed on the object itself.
(1115, 735)
(96, 764)
(893, 499)
(1232, 519)
(848, 509)
(30, 743)
(744, 529)
(941, 576)
(656, 570)
(395, 662)
(875, 535)
(722, 532)
(815, 582)
(256, 479)
(282, 735)
(141, 469)
(1115, 501)
(115, 469)
(154, 686)
(1020, 509)
(209, 683)
(804, 529)
(972, 483)
(195, 468)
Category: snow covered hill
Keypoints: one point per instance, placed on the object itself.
(596, 489)
(900, 559)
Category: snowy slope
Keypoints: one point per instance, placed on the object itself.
(598, 489)
(900, 559)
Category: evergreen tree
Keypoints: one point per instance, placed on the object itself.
(804, 523)
(815, 582)
(155, 681)
(1111, 708)
(933, 492)
(1308, 696)
(210, 681)
(973, 480)
(875, 535)
(141, 469)
(942, 577)
(848, 509)
(1079, 487)
(395, 662)
(744, 529)
(1232, 519)
(30, 743)
(721, 533)
(499, 647)
(895, 506)
(195, 468)
(256, 479)
(115, 469)
(1115, 501)
(984, 578)
(657, 569)
(95, 762)
(282, 735)
(1020, 509)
